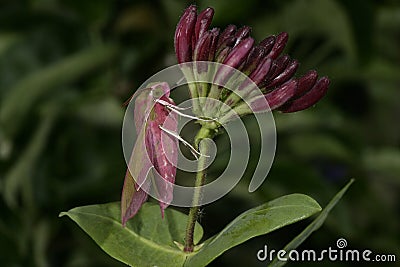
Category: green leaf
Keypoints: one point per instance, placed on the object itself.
(254, 222)
(147, 239)
(313, 226)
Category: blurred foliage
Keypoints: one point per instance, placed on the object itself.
(66, 66)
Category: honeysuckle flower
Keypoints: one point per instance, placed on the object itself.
(155, 150)
(264, 64)
(154, 153)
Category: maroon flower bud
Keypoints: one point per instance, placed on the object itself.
(202, 48)
(202, 51)
(285, 75)
(281, 95)
(275, 98)
(310, 98)
(239, 53)
(305, 83)
(264, 65)
(213, 45)
(203, 22)
(241, 34)
(259, 74)
(268, 43)
(184, 34)
(227, 36)
(279, 45)
(278, 66)
(228, 43)
(254, 58)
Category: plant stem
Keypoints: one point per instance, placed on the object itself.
(200, 180)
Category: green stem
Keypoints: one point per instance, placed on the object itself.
(200, 180)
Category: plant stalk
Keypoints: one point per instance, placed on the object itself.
(202, 147)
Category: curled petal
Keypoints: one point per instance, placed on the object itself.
(309, 98)
(184, 34)
(279, 45)
(132, 198)
(152, 152)
(162, 149)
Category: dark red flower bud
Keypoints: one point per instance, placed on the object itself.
(275, 98)
(259, 74)
(203, 22)
(305, 83)
(239, 53)
(268, 43)
(213, 45)
(202, 49)
(279, 45)
(184, 34)
(309, 98)
(220, 57)
(242, 33)
(286, 75)
(255, 56)
(281, 95)
(278, 66)
(264, 64)
(229, 43)
(227, 34)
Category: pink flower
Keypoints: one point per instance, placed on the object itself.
(154, 153)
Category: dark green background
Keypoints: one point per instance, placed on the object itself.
(66, 66)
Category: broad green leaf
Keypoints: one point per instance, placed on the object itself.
(254, 222)
(147, 239)
(315, 225)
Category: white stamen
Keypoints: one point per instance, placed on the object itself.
(186, 143)
(169, 105)
(177, 109)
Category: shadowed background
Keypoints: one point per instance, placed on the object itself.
(66, 67)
